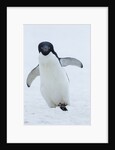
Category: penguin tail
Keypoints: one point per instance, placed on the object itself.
(63, 107)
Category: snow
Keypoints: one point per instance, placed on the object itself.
(68, 41)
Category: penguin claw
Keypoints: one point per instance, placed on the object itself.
(62, 107)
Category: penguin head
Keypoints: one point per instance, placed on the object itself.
(45, 48)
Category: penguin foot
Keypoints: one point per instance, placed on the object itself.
(63, 107)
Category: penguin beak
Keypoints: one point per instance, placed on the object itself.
(45, 48)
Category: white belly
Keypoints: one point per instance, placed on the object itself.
(54, 81)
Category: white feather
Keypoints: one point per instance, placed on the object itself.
(54, 84)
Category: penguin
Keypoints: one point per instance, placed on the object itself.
(54, 82)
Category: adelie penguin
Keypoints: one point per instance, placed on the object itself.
(54, 83)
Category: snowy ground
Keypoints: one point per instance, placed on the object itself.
(68, 40)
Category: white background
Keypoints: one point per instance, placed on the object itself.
(16, 131)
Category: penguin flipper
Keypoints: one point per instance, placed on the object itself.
(32, 75)
(70, 61)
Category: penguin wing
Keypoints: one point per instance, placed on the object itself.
(70, 61)
(32, 75)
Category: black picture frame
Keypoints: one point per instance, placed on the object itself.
(3, 101)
